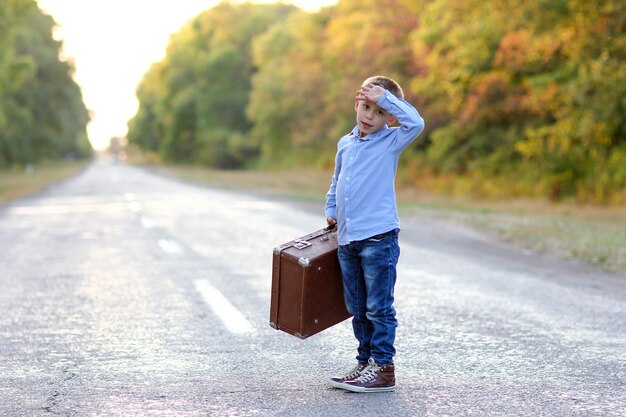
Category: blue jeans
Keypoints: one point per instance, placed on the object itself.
(368, 268)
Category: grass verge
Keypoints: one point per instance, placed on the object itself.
(596, 235)
(15, 183)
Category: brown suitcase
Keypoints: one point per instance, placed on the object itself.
(307, 292)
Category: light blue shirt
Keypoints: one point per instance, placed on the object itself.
(362, 196)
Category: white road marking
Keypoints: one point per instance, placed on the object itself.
(170, 246)
(232, 318)
(147, 222)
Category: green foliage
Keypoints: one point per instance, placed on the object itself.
(192, 104)
(42, 115)
(520, 97)
(287, 106)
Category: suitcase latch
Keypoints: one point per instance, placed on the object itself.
(301, 244)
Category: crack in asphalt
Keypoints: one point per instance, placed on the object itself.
(56, 397)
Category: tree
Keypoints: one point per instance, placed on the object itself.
(516, 84)
(42, 113)
(199, 106)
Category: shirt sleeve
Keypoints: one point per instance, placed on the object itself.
(331, 200)
(411, 123)
(331, 195)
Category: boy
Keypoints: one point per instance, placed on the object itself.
(361, 201)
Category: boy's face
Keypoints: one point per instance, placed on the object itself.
(370, 117)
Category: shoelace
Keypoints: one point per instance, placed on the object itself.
(355, 372)
(368, 374)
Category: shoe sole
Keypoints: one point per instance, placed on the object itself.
(354, 388)
(335, 384)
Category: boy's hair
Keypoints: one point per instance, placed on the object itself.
(387, 83)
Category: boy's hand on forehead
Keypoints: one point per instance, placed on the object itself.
(370, 92)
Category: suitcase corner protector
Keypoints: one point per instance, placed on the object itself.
(278, 250)
(301, 336)
(273, 325)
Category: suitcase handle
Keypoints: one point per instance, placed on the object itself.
(304, 243)
(327, 231)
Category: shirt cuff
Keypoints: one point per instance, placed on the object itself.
(387, 97)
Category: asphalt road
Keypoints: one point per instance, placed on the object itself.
(108, 308)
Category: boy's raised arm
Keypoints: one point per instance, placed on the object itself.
(411, 123)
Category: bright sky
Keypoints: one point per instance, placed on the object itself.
(113, 43)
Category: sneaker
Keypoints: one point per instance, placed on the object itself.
(374, 378)
(353, 373)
